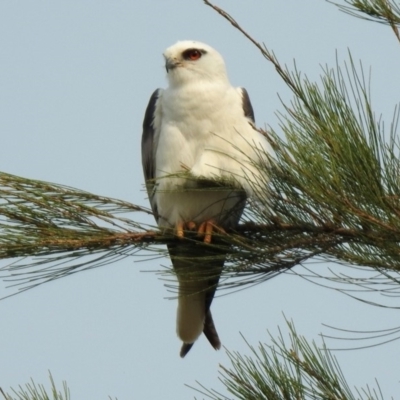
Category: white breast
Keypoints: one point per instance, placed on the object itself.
(203, 131)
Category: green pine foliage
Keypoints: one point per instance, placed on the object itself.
(285, 371)
(33, 391)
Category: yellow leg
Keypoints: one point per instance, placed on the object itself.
(207, 228)
(202, 229)
(208, 232)
(191, 226)
(179, 230)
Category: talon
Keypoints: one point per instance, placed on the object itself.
(179, 230)
(191, 226)
(208, 232)
(207, 228)
(202, 229)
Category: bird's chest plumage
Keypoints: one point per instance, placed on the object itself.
(194, 132)
(193, 121)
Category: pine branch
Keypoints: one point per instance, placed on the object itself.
(295, 370)
(59, 226)
(31, 391)
(382, 11)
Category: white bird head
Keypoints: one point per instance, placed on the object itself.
(189, 61)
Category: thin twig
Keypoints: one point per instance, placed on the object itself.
(389, 17)
(1, 391)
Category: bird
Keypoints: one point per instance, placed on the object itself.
(200, 154)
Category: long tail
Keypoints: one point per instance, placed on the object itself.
(209, 331)
(198, 268)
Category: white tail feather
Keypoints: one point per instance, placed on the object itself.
(191, 310)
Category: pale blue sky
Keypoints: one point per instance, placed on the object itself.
(75, 78)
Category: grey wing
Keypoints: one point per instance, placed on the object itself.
(247, 107)
(149, 147)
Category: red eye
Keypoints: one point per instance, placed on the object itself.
(192, 54)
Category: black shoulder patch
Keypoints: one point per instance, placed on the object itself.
(149, 149)
(247, 107)
(148, 137)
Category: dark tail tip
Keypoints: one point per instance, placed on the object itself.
(210, 332)
(185, 349)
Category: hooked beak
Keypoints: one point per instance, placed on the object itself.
(171, 64)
